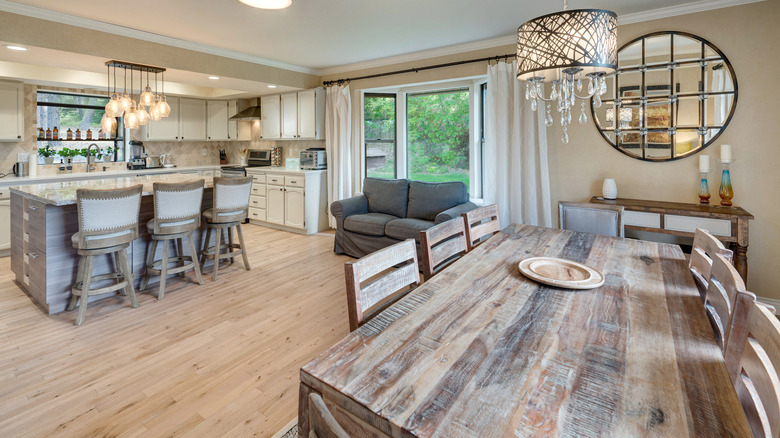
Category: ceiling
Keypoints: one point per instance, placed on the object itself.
(320, 34)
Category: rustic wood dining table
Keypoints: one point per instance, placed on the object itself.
(482, 351)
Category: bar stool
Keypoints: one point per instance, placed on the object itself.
(108, 222)
(176, 216)
(231, 201)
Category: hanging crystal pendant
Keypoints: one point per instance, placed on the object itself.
(554, 92)
(565, 136)
(597, 101)
(602, 85)
(527, 91)
(548, 120)
(532, 92)
(533, 105)
(583, 117)
(590, 86)
(579, 83)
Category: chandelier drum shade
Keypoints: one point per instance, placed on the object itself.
(565, 49)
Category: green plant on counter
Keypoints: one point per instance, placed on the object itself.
(47, 151)
(69, 153)
(108, 151)
(84, 152)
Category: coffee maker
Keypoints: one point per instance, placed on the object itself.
(137, 155)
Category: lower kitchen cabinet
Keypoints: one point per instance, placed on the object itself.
(289, 200)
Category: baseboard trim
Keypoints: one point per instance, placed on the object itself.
(771, 302)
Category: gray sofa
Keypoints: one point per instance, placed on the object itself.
(392, 210)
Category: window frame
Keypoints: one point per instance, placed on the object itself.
(394, 141)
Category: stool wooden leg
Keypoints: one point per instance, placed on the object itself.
(205, 247)
(128, 273)
(85, 290)
(180, 254)
(163, 269)
(217, 243)
(243, 247)
(149, 264)
(230, 243)
(79, 278)
(197, 265)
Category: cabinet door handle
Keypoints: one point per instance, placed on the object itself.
(34, 208)
(33, 255)
(18, 136)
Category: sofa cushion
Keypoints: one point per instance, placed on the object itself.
(388, 196)
(408, 228)
(427, 199)
(371, 224)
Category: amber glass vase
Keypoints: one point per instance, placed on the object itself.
(726, 192)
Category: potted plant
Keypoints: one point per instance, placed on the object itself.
(90, 155)
(68, 154)
(108, 153)
(48, 153)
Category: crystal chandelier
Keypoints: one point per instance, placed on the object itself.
(135, 115)
(568, 49)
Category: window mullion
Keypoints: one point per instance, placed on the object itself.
(400, 136)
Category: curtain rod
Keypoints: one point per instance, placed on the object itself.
(418, 69)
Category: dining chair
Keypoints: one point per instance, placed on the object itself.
(321, 421)
(441, 245)
(591, 218)
(753, 359)
(379, 279)
(700, 263)
(724, 285)
(481, 223)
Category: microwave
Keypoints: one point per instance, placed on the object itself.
(313, 159)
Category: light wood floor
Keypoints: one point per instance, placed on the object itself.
(216, 360)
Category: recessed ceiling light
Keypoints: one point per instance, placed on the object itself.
(272, 86)
(17, 48)
(213, 78)
(267, 4)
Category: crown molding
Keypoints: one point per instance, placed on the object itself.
(424, 54)
(688, 8)
(44, 14)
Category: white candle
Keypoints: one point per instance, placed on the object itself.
(725, 153)
(704, 163)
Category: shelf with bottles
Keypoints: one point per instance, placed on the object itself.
(81, 140)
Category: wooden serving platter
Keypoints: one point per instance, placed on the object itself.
(566, 274)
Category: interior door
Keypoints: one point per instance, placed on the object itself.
(293, 207)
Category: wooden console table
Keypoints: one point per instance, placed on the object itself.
(729, 224)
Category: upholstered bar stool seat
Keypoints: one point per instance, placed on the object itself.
(108, 223)
(176, 217)
(231, 201)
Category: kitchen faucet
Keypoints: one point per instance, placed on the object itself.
(89, 148)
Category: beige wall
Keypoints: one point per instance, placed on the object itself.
(747, 35)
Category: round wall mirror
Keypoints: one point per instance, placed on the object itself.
(672, 95)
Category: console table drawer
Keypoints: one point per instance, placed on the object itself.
(718, 227)
(641, 219)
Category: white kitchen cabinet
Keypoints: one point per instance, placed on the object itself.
(294, 207)
(270, 128)
(217, 111)
(311, 114)
(11, 111)
(289, 115)
(275, 204)
(289, 200)
(192, 122)
(166, 128)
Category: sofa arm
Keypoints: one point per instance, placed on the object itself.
(454, 212)
(348, 207)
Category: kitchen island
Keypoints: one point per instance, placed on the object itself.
(43, 219)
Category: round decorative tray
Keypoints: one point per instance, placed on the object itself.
(561, 273)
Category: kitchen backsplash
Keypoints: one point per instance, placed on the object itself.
(186, 153)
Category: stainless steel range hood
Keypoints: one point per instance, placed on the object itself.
(251, 113)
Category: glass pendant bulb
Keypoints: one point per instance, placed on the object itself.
(113, 107)
(154, 111)
(108, 124)
(165, 109)
(131, 118)
(126, 102)
(147, 97)
(143, 116)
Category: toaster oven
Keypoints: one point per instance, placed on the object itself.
(313, 159)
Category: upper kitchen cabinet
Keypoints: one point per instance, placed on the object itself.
(294, 116)
(217, 119)
(237, 130)
(270, 128)
(193, 119)
(167, 128)
(11, 111)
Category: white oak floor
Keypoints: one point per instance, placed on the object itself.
(216, 360)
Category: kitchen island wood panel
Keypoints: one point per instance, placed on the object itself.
(43, 219)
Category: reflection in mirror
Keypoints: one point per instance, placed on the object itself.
(668, 102)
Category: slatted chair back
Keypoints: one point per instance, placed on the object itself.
(481, 223)
(591, 218)
(177, 206)
(722, 290)
(108, 217)
(701, 262)
(231, 198)
(753, 358)
(322, 424)
(442, 245)
(379, 279)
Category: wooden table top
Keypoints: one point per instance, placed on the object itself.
(672, 207)
(481, 351)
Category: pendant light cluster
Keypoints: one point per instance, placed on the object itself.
(150, 105)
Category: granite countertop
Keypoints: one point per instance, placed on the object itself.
(12, 180)
(64, 193)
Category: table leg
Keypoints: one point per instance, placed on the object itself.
(740, 261)
(303, 410)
